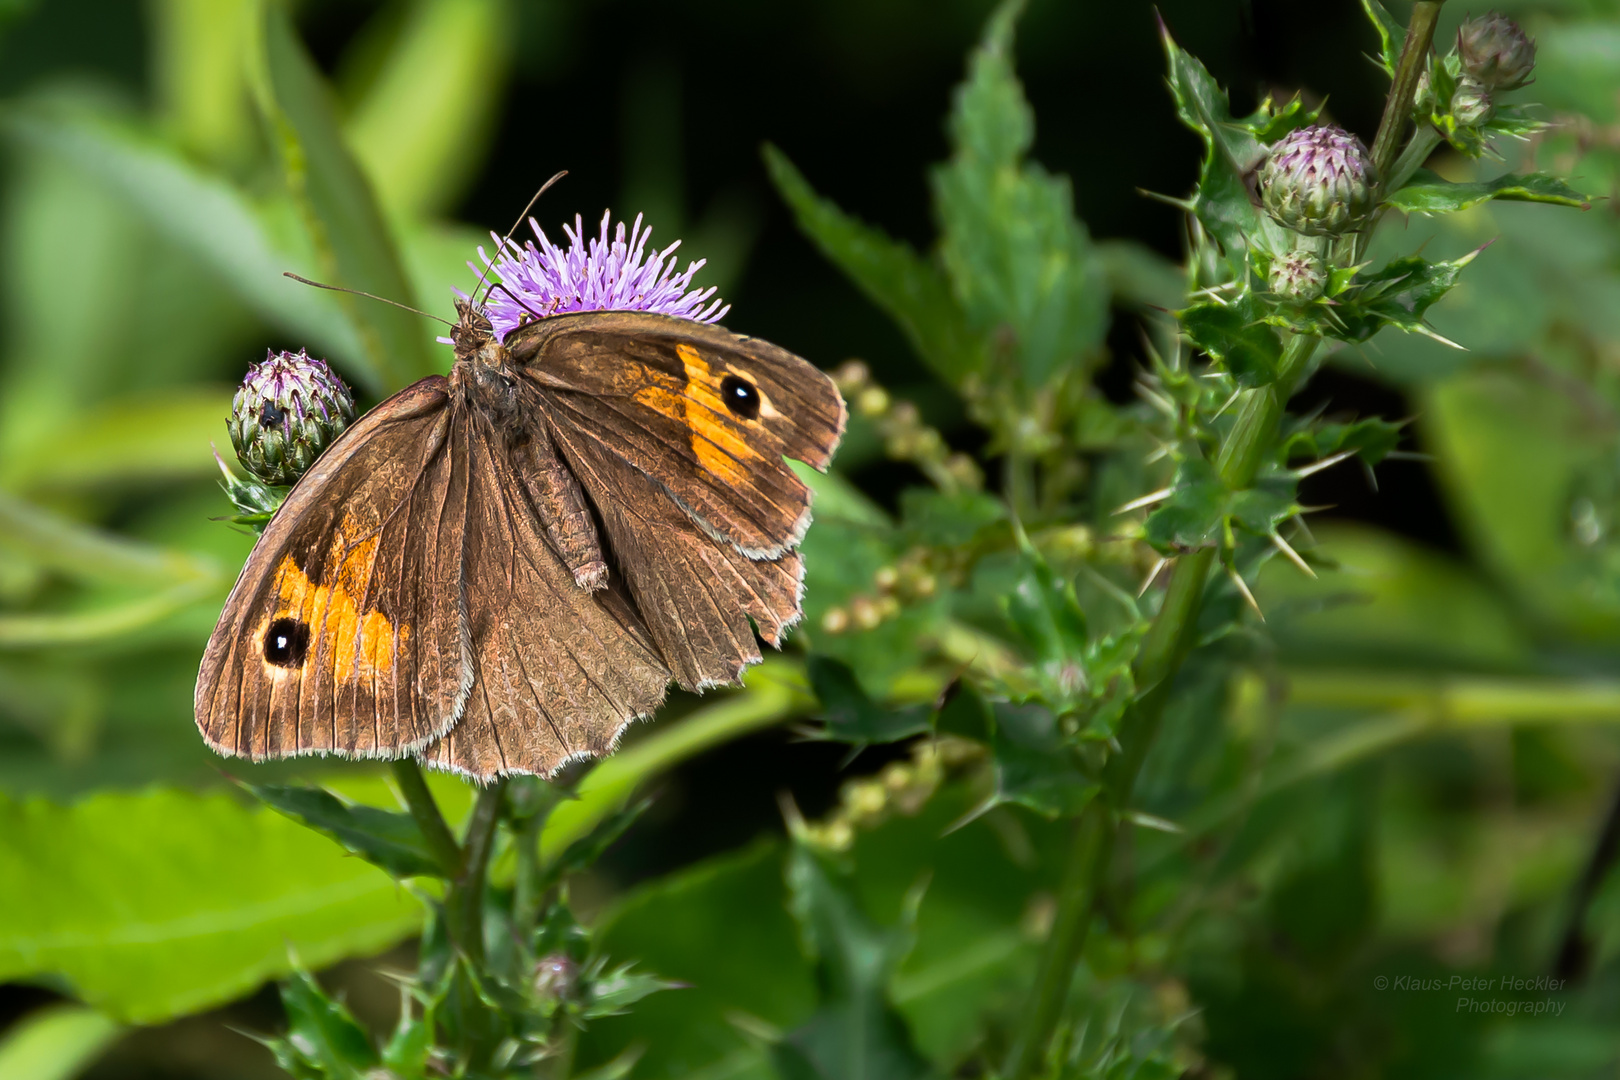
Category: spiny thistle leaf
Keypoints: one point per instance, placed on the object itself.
(1427, 193)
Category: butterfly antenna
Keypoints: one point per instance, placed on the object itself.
(508, 237)
(368, 296)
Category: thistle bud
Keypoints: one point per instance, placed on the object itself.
(1471, 103)
(1319, 181)
(1298, 276)
(1496, 52)
(286, 412)
(555, 976)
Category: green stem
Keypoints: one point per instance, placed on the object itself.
(464, 907)
(440, 841)
(1403, 88)
(1168, 641)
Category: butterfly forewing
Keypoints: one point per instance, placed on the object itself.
(336, 637)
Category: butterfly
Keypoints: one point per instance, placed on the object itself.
(498, 570)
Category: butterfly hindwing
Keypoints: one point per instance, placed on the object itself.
(342, 634)
(559, 670)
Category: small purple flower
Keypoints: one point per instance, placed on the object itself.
(1319, 181)
(599, 274)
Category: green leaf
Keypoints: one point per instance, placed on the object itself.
(1373, 439)
(1044, 612)
(324, 1041)
(584, 852)
(1020, 263)
(1391, 35)
(617, 990)
(1427, 193)
(948, 519)
(1233, 334)
(342, 216)
(1200, 507)
(1231, 151)
(203, 214)
(893, 276)
(1034, 764)
(384, 838)
(850, 716)
(1398, 294)
(55, 1043)
(856, 1034)
(163, 903)
(422, 128)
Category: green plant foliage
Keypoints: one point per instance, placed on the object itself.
(153, 905)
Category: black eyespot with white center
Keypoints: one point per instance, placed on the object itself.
(286, 643)
(740, 396)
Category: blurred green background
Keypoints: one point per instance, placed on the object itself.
(1472, 633)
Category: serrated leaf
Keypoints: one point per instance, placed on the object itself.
(340, 211)
(617, 990)
(1020, 263)
(1372, 439)
(1232, 333)
(384, 838)
(893, 276)
(1044, 612)
(1391, 35)
(323, 1038)
(1222, 202)
(948, 519)
(856, 1034)
(1427, 193)
(161, 903)
(1398, 294)
(849, 715)
(1034, 765)
(1191, 517)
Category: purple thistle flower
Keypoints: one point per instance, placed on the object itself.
(599, 274)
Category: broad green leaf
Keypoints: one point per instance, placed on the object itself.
(1387, 602)
(1371, 438)
(201, 87)
(1398, 294)
(720, 927)
(893, 276)
(1020, 263)
(849, 715)
(1233, 334)
(1044, 612)
(141, 439)
(241, 241)
(349, 231)
(55, 1043)
(1427, 193)
(856, 1034)
(1034, 764)
(388, 839)
(421, 130)
(157, 904)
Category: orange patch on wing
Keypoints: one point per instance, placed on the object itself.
(715, 440)
(360, 645)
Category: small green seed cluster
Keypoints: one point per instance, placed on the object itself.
(905, 436)
(902, 787)
(914, 578)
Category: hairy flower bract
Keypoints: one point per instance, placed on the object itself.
(616, 272)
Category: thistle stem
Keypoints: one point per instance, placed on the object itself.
(440, 841)
(1398, 106)
(1168, 641)
(465, 904)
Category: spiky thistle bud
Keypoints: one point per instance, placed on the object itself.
(1298, 276)
(286, 412)
(1319, 181)
(1471, 102)
(1496, 52)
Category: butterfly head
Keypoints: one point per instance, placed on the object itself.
(483, 366)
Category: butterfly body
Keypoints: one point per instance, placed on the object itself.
(498, 570)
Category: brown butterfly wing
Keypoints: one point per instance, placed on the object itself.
(559, 671)
(343, 633)
(697, 594)
(705, 413)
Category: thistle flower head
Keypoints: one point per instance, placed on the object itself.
(597, 273)
(1496, 51)
(1319, 181)
(286, 412)
(1299, 276)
